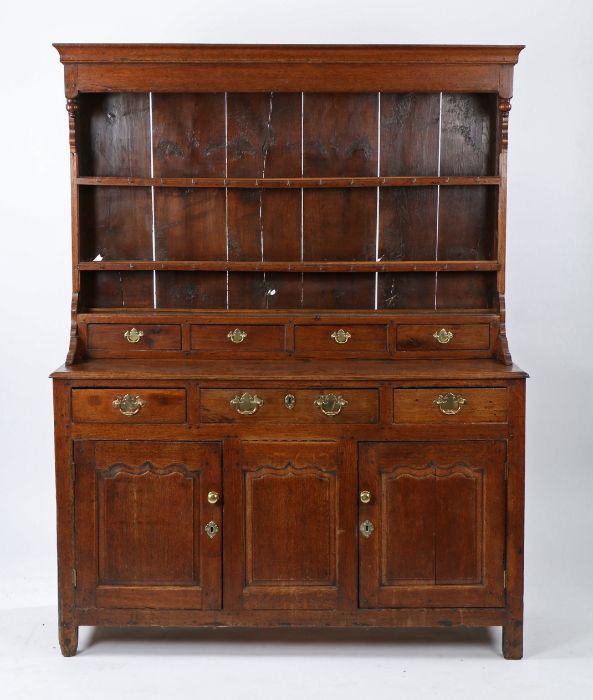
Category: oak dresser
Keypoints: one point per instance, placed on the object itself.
(288, 398)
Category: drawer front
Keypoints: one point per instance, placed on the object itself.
(129, 338)
(128, 405)
(432, 337)
(338, 340)
(450, 405)
(239, 338)
(272, 406)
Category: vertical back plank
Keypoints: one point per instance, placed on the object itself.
(340, 137)
(191, 290)
(189, 224)
(467, 134)
(113, 134)
(188, 135)
(264, 140)
(408, 223)
(114, 290)
(116, 223)
(467, 218)
(406, 290)
(466, 290)
(409, 133)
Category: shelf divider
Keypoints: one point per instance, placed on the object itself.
(288, 183)
(295, 266)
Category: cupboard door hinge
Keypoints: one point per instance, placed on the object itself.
(506, 471)
(74, 577)
(504, 579)
(73, 466)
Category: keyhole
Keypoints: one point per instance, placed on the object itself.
(211, 529)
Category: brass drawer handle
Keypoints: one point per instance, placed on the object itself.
(443, 336)
(330, 404)
(246, 404)
(133, 335)
(450, 404)
(341, 336)
(213, 497)
(365, 497)
(236, 336)
(128, 405)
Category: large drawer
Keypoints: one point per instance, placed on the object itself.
(432, 337)
(241, 338)
(451, 405)
(128, 338)
(339, 340)
(128, 405)
(246, 405)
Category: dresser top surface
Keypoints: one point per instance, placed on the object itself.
(280, 370)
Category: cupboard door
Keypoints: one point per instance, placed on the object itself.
(142, 513)
(290, 541)
(437, 509)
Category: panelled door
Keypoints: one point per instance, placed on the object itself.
(290, 526)
(148, 524)
(431, 524)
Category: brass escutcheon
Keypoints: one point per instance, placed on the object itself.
(290, 401)
(450, 403)
(443, 336)
(246, 404)
(128, 405)
(366, 528)
(236, 336)
(341, 336)
(330, 404)
(133, 335)
(211, 529)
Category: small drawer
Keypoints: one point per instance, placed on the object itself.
(335, 340)
(128, 405)
(239, 338)
(288, 406)
(450, 405)
(132, 338)
(435, 337)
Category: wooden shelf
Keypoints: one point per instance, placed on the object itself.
(303, 266)
(287, 183)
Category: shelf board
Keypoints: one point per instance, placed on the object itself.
(295, 266)
(286, 183)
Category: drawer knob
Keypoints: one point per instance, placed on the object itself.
(341, 336)
(366, 528)
(450, 404)
(128, 405)
(133, 335)
(443, 336)
(330, 404)
(213, 497)
(246, 404)
(365, 497)
(236, 336)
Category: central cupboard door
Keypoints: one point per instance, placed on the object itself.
(148, 528)
(289, 526)
(432, 524)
